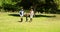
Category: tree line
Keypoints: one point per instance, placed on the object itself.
(47, 6)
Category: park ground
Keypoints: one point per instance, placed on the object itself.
(9, 22)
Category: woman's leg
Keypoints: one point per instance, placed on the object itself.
(31, 16)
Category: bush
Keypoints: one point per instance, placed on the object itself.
(10, 7)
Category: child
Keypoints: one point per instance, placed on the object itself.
(21, 13)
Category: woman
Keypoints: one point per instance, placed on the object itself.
(31, 14)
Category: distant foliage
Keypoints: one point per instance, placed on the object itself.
(10, 7)
(47, 6)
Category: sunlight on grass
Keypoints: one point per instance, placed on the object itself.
(39, 24)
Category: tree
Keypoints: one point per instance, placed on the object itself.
(10, 5)
(38, 5)
(44, 5)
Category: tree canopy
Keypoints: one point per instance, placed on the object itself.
(38, 5)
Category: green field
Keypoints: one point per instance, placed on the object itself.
(47, 23)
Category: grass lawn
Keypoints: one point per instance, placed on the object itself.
(47, 23)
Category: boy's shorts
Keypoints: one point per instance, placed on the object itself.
(21, 16)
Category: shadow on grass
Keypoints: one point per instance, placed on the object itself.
(17, 15)
(44, 16)
(20, 21)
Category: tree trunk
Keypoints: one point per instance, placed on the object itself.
(34, 7)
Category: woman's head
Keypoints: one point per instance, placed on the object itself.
(31, 9)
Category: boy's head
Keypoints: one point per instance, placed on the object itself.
(21, 9)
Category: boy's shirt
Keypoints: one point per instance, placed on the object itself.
(21, 13)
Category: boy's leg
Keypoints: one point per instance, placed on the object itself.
(21, 19)
(26, 18)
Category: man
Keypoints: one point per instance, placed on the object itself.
(21, 13)
(31, 14)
